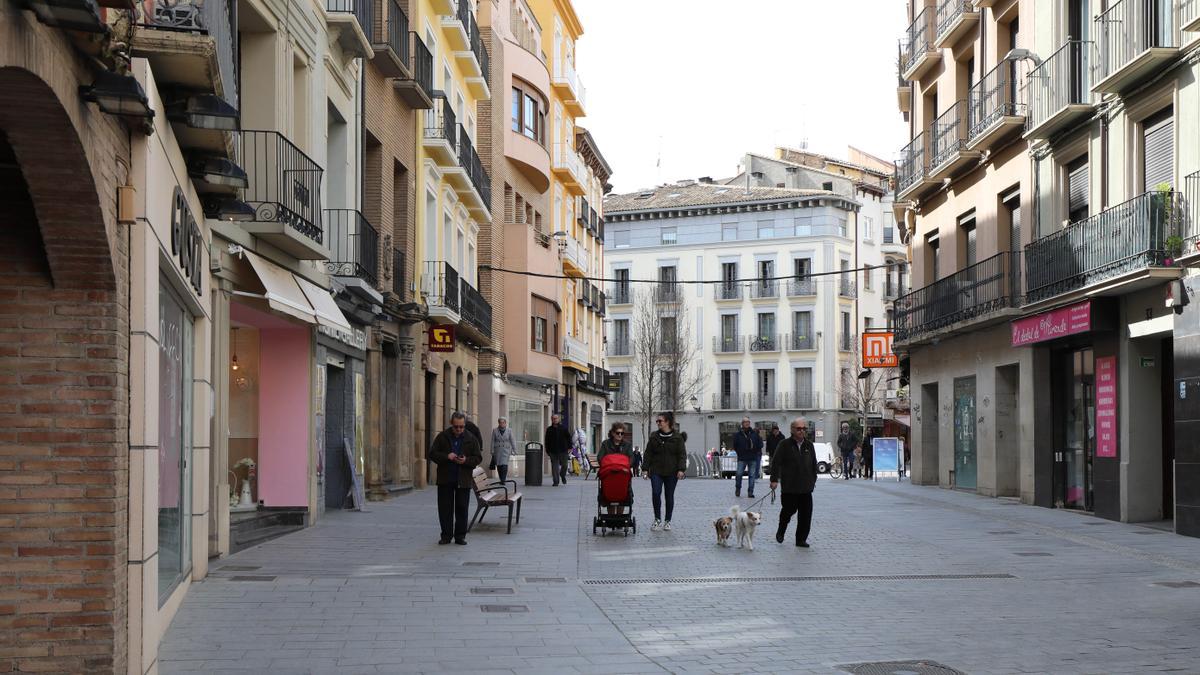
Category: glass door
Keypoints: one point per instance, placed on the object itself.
(965, 460)
(1074, 474)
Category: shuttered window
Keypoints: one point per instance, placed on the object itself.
(1077, 189)
(1158, 151)
(966, 225)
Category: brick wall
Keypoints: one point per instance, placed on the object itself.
(490, 138)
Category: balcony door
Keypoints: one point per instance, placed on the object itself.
(728, 279)
(803, 388)
(765, 383)
(729, 332)
(729, 389)
(766, 331)
(621, 337)
(802, 336)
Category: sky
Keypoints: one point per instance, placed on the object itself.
(683, 88)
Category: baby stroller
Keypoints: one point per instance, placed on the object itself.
(616, 490)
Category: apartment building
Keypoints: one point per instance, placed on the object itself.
(1045, 196)
(778, 323)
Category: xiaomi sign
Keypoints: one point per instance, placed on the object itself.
(877, 351)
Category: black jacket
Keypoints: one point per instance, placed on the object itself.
(665, 456)
(558, 440)
(748, 446)
(847, 442)
(439, 454)
(474, 431)
(773, 440)
(609, 447)
(794, 467)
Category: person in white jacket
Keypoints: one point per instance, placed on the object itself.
(504, 446)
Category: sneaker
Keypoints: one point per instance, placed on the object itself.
(656, 526)
(667, 526)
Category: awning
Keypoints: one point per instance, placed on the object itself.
(323, 305)
(283, 292)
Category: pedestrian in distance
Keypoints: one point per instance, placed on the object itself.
(773, 441)
(749, 448)
(558, 445)
(456, 454)
(847, 441)
(504, 446)
(473, 430)
(615, 444)
(666, 461)
(795, 468)
(637, 461)
(868, 460)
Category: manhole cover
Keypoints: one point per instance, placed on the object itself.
(545, 580)
(238, 568)
(1178, 584)
(252, 577)
(1003, 532)
(1033, 554)
(479, 590)
(749, 580)
(481, 564)
(504, 608)
(900, 668)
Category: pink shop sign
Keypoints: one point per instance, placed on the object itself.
(1106, 406)
(1054, 324)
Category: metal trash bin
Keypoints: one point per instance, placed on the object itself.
(533, 463)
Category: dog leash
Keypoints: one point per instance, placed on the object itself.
(764, 498)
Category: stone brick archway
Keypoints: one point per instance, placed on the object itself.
(59, 176)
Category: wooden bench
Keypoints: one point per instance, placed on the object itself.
(593, 465)
(489, 493)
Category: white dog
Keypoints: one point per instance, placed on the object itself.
(745, 522)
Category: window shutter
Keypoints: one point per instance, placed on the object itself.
(1158, 151)
(1077, 187)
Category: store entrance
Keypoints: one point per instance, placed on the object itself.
(1168, 428)
(1075, 428)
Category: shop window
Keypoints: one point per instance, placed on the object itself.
(174, 440)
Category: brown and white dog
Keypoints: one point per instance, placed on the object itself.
(745, 522)
(724, 528)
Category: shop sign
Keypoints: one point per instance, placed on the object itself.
(356, 339)
(186, 240)
(441, 338)
(877, 350)
(614, 383)
(1052, 325)
(1106, 406)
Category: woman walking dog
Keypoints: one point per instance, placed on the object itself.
(666, 460)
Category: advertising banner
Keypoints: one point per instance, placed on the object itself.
(886, 456)
(1106, 406)
(1054, 324)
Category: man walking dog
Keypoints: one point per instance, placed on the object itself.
(795, 466)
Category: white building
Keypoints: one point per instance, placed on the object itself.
(772, 350)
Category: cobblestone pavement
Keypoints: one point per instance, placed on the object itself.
(896, 572)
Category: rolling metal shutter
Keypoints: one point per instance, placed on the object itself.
(1077, 188)
(1158, 151)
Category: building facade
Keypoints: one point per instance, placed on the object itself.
(1045, 194)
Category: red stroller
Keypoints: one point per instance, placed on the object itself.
(616, 490)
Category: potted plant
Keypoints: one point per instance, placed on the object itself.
(1164, 207)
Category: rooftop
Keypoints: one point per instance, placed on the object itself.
(692, 193)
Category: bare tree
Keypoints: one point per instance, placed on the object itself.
(665, 373)
(868, 394)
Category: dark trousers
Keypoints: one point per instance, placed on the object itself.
(453, 503)
(657, 483)
(867, 462)
(502, 469)
(847, 463)
(801, 506)
(558, 467)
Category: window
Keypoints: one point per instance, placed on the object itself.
(1158, 151)
(529, 114)
(766, 387)
(667, 235)
(845, 337)
(729, 232)
(1077, 189)
(841, 225)
(729, 331)
(729, 385)
(932, 247)
(539, 334)
(666, 274)
(889, 228)
(670, 332)
(868, 229)
(620, 238)
(174, 441)
(668, 392)
(889, 319)
(766, 229)
(622, 289)
(803, 226)
(531, 117)
(868, 271)
(827, 186)
(516, 109)
(867, 323)
(766, 270)
(802, 335)
(801, 268)
(543, 334)
(620, 338)
(803, 386)
(766, 326)
(966, 225)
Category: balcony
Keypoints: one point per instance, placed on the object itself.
(1123, 247)
(439, 285)
(666, 292)
(620, 294)
(476, 314)
(973, 296)
(574, 354)
(456, 25)
(575, 259)
(800, 342)
(729, 401)
(191, 46)
(470, 180)
(918, 51)
(400, 283)
(731, 344)
(955, 18)
(1058, 91)
(392, 51)
(618, 347)
(764, 289)
(993, 113)
(284, 189)
(1189, 16)
(728, 292)
(847, 288)
(845, 341)
(803, 400)
(912, 178)
(766, 342)
(353, 250)
(417, 89)
(620, 401)
(948, 136)
(567, 84)
(903, 87)
(475, 62)
(1134, 39)
(569, 168)
(1191, 228)
(352, 20)
(798, 288)
(762, 401)
(440, 137)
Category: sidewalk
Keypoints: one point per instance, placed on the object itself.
(896, 572)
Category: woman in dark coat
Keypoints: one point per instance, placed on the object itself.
(666, 460)
(615, 444)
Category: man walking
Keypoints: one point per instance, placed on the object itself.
(795, 466)
(749, 446)
(504, 446)
(773, 442)
(846, 442)
(456, 453)
(868, 461)
(558, 444)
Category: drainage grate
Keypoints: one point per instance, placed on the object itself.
(1177, 584)
(900, 668)
(749, 580)
(239, 568)
(252, 577)
(504, 608)
(489, 563)
(1033, 554)
(545, 580)
(481, 590)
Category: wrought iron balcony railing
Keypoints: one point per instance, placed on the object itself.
(912, 166)
(439, 285)
(764, 289)
(1125, 238)
(478, 48)
(991, 99)
(948, 134)
(469, 160)
(422, 65)
(847, 288)
(769, 401)
(441, 123)
(215, 18)
(949, 11)
(476, 310)
(396, 29)
(973, 292)
(620, 294)
(283, 183)
(729, 401)
(1191, 186)
(919, 38)
(729, 291)
(803, 400)
(767, 342)
(728, 344)
(802, 286)
(353, 245)
(1130, 27)
(620, 401)
(1061, 81)
(618, 347)
(363, 10)
(801, 341)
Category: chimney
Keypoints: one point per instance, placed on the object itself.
(706, 180)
